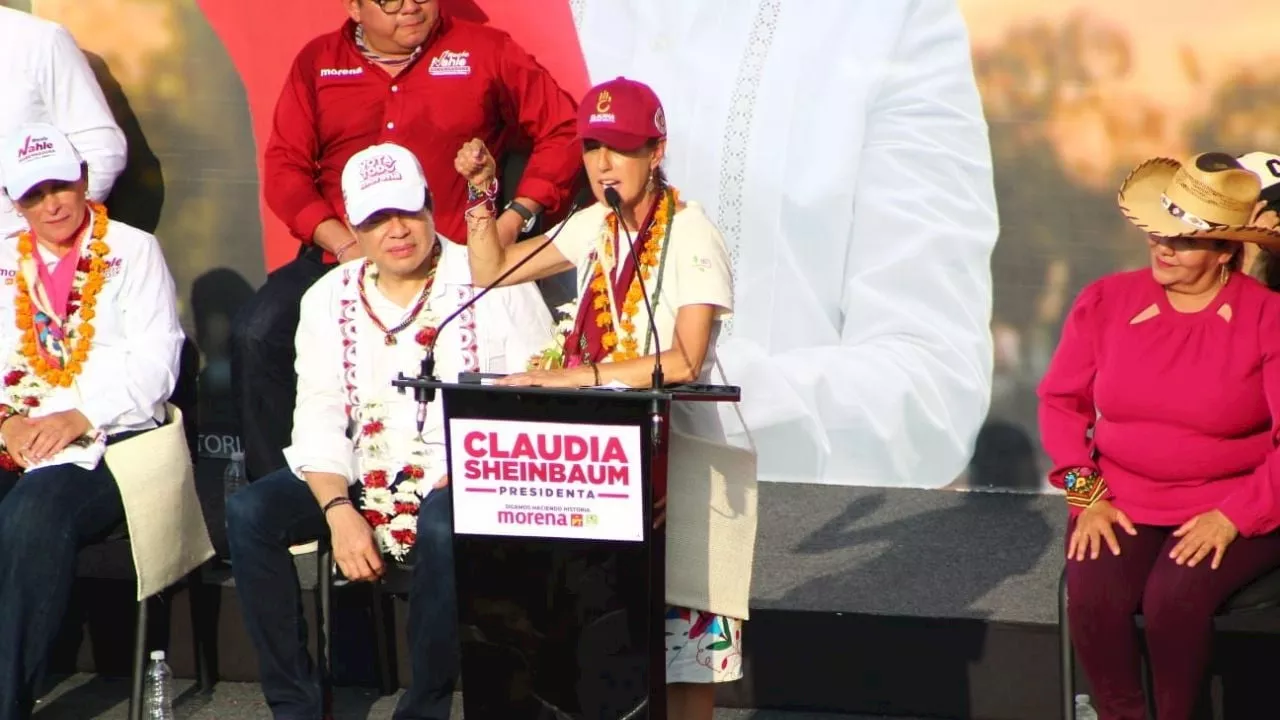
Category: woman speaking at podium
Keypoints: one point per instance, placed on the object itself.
(681, 263)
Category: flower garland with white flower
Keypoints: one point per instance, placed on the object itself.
(52, 354)
(552, 357)
(391, 464)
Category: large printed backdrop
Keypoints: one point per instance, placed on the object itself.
(1076, 93)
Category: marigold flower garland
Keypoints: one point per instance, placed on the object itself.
(86, 286)
(31, 376)
(624, 346)
(635, 294)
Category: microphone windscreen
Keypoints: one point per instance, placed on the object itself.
(612, 198)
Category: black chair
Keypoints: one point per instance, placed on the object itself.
(204, 671)
(325, 581)
(1261, 594)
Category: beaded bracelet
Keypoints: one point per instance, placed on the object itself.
(6, 412)
(489, 193)
(340, 500)
(6, 460)
(1084, 486)
(343, 250)
(486, 198)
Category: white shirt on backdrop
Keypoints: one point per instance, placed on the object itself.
(44, 77)
(841, 148)
(511, 325)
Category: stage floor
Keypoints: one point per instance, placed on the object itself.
(992, 556)
(89, 696)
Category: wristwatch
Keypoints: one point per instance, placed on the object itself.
(529, 217)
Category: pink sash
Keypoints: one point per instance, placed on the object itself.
(51, 295)
(57, 284)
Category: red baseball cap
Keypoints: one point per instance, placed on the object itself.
(622, 114)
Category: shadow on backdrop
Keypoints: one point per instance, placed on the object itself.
(137, 198)
(216, 297)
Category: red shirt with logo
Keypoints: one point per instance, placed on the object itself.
(469, 81)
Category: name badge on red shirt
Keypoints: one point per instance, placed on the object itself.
(450, 64)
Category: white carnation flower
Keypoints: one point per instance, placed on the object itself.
(404, 522)
(379, 499)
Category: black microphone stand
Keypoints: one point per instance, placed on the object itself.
(614, 201)
(426, 372)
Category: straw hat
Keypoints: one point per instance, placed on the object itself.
(1211, 196)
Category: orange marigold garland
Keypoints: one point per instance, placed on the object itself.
(87, 285)
(624, 346)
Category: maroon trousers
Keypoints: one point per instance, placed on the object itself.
(1177, 603)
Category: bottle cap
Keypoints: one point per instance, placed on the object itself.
(157, 654)
(237, 455)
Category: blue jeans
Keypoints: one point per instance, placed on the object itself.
(278, 511)
(46, 516)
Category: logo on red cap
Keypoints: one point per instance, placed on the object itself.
(604, 102)
(378, 169)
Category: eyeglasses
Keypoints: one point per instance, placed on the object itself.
(391, 7)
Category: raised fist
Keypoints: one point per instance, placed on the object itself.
(476, 164)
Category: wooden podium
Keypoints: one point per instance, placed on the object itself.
(560, 568)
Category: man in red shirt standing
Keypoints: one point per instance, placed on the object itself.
(397, 71)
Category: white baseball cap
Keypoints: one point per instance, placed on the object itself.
(36, 153)
(382, 177)
(1267, 167)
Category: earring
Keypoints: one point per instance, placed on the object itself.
(1224, 274)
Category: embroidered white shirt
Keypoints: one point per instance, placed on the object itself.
(44, 77)
(840, 146)
(133, 363)
(508, 326)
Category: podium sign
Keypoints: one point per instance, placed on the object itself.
(560, 572)
(560, 564)
(546, 480)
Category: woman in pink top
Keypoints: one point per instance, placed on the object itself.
(1161, 412)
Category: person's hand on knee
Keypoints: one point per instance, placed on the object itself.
(1206, 533)
(1094, 527)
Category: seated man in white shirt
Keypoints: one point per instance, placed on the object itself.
(373, 486)
(89, 344)
(44, 77)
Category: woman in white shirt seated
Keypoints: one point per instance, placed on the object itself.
(89, 341)
(681, 261)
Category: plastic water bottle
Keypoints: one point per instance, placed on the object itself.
(1084, 709)
(159, 703)
(234, 477)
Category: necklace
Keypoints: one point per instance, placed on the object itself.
(390, 333)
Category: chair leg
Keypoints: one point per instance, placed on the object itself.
(1068, 657)
(1148, 686)
(201, 649)
(386, 680)
(324, 627)
(139, 661)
